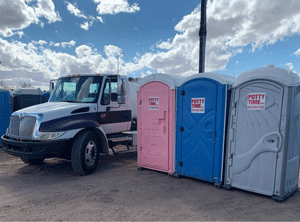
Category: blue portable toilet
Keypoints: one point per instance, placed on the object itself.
(201, 124)
(5, 110)
(45, 96)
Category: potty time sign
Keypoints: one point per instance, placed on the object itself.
(153, 103)
(198, 105)
(256, 101)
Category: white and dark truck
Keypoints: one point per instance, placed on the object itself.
(84, 117)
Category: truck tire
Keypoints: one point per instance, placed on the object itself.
(33, 161)
(85, 153)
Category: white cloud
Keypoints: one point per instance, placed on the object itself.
(290, 65)
(39, 65)
(85, 26)
(164, 45)
(46, 8)
(232, 25)
(115, 7)
(62, 44)
(89, 20)
(100, 19)
(83, 51)
(40, 42)
(73, 9)
(68, 44)
(297, 52)
(17, 15)
(111, 50)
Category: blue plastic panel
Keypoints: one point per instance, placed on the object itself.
(200, 129)
(5, 111)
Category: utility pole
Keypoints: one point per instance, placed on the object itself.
(118, 60)
(202, 36)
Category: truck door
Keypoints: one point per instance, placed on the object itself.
(114, 117)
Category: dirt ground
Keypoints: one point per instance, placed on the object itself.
(118, 191)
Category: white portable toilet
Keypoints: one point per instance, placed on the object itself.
(264, 133)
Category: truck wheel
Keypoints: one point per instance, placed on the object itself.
(85, 153)
(33, 161)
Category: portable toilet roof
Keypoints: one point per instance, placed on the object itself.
(221, 78)
(281, 75)
(170, 80)
(3, 90)
(27, 91)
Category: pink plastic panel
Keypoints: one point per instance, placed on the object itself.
(156, 127)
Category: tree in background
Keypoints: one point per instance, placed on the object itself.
(5, 86)
(25, 85)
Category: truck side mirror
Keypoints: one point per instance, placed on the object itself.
(121, 99)
(52, 85)
(121, 92)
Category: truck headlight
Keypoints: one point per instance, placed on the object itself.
(50, 136)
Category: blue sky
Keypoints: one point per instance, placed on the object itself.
(41, 39)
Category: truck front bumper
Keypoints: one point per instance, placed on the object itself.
(32, 149)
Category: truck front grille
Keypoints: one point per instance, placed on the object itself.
(22, 127)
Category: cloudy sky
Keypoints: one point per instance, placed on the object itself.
(41, 39)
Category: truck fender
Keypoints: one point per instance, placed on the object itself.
(102, 138)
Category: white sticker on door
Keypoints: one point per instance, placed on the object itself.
(256, 101)
(153, 103)
(198, 105)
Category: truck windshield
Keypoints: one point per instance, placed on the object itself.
(79, 89)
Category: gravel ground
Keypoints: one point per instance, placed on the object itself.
(118, 191)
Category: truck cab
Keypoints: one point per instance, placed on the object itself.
(82, 115)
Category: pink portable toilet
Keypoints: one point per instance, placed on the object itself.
(156, 118)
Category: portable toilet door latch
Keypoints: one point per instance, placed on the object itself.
(182, 92)
(215, 137)
(180, 163)
(181, 129)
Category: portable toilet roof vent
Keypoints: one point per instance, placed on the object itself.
(221, 78)
(167, 79)
(281, 75)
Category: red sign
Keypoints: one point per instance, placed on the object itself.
(153, 103)
(198, 105)
(256, 101)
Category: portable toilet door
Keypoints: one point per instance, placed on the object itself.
(5, 111)
(156, 113)
(264, 133)
(200, 126)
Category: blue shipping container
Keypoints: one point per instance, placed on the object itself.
(200, 126)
